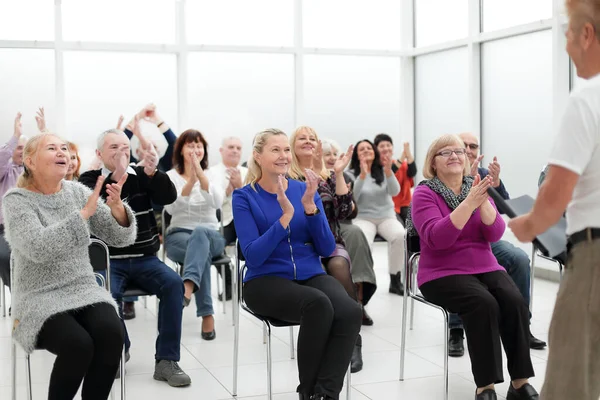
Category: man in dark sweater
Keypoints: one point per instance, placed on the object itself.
(137, 265)
(513, 259)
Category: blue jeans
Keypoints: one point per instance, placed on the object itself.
(195, 250)
(152, 275)
(516, 263)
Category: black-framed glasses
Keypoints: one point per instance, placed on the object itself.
(472, 146)
(448, 153)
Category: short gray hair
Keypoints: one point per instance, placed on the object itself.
(230, 138)
(330, 145)
(100, 141)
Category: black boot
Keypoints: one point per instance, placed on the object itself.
(366, 319)
(456, 344)
(356, 363)
(396, 285)
(303, 396)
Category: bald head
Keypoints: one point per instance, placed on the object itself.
(472, 145)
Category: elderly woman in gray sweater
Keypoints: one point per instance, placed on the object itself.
(57, 304)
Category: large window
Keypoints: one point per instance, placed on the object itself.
(356, 24)
(101, 86)
(441, 98)
(517, 108)
(499, 14)
(349, 98)
(440, 21)
(26, 20)
(239, 95)
(240, 22)
(137, 21)
(26, 82)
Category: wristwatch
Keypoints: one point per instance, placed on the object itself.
(315, 212)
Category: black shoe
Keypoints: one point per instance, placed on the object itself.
(169, 371)
(128, 310)
(303, 396)
(356, 363)
(535, 343)
(319, 396)
(366, 319)
(456, 343)
(525, 392)
(488, 394)
(396, 286)
(209, 335)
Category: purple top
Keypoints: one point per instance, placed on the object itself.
(9, 171)
(446, 250)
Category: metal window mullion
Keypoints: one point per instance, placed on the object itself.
(474, 75)
(298, 65)
(182, 65)
(59, 71)
(407, 77)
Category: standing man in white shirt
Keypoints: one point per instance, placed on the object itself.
(573, 182)
(232, 176)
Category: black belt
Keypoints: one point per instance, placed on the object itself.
(587, 234)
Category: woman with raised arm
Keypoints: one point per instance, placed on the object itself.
(57, 303)
(456, 221)
(283, 232)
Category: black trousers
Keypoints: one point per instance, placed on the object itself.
(491, 308)
(329, 322)
(87, 343)
(403, 215)
(4, 258)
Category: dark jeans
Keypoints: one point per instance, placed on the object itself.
(4, 258)
(329, 322)
(516, 262)
(87, 343)
(152, 275)
(491, 308)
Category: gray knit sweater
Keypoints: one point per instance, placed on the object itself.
(51, 266)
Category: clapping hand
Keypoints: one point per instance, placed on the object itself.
(387, 162)
(312, 183)
(474, 171)
(364, 168)
(120, 122)
(121, 163)
(40, 119)
(92, 204)
(113, 191)
(317, 157)
(18, 125)
(235, 178)
(478, 193)
(494, 169)
(342, 162)
(284, 202)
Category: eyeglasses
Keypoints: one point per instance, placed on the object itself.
(472, 146)
(448, 153)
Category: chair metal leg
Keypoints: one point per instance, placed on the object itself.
(292, 343)
(3, 298)
(28, 376)
(349, 382)
(269, 364)
(413, 285)
(234, 294)
(446, 340)
(13, 356)
(531, 278)
(223, 286)
(145, 300)
(123, 374)
(236, 345)
(264, 334)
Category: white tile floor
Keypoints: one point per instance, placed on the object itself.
(210, 363)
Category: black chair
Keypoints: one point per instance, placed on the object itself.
(551, 244)
(3, 297)
(412, 251)
(267, 324)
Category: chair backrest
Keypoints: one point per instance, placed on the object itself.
(411, 257)
(553, 242)
(99, 255)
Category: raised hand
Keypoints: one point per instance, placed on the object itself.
(196, 165)
(284, 202)
(235, 178)
(92, 204)
(150, 160)
(113, 191)
(135, 129)
(475, 165)
(312, 183)
(478, 193)
(40, 119)
(18, 126)
(494, 169)
(121, 163)
(317, 157)
(364, 168)
(387, 162)
(120, 122)
(343, 161)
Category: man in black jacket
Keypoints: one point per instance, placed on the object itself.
(137, 265)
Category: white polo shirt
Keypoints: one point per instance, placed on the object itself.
(576, 149)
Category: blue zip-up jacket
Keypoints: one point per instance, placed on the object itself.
(270, 249)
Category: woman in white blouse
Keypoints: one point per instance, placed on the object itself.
(193, 238)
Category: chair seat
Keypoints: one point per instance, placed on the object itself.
(135, 291)
(221, 260)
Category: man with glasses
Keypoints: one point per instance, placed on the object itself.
(512, 258)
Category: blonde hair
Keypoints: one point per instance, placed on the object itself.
(582, 11)
(29, 151)
(74, 149)
(296, 171)
(438, 144)
(260, 139)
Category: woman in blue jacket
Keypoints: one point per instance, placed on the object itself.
(283, 232)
